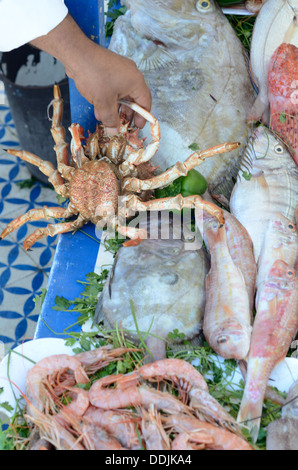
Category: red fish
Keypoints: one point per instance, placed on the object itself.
(283, 95)
(275, 325)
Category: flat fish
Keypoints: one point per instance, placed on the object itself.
(156, 287)
(275, 24)
(197, 71)
(283, 95)
(227, 318)
(266, 184)
(275, 325)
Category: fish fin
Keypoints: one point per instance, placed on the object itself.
(250, 416)
(222, 190)
(259, 109)
(241, 275)
(157, 347)
(158, 60)
(98, 314)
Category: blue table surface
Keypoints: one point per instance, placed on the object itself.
(74, 258)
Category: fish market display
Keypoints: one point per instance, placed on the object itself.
(158, 285)
(280, 243)
(132, 415)
(283, 95)
(196, 69)
(274, 328)
(275, 24)
(266, 184)
(227, 317)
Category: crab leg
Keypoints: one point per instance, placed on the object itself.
(133, 204)
(129, 232)
(144, 154)
(58, 131)
(77, 151)
(52, 230)
(37, 214)
(179, 169)
(45, 167)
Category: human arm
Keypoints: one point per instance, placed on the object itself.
(100, 75)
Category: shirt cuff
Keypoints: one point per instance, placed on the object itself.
(21, 21)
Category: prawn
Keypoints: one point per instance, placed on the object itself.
(38, 375)
(120, 424)
(96, 438)
(213, 437)
(99, 358)
(115, 398)
(53, 432)
(189, 381)
(191, 441)
(78, 405)
(153, 432)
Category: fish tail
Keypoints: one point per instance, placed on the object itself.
(250, 411)
(249, 416)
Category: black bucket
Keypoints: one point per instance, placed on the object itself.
(29, 103)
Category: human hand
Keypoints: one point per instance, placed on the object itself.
(106, 77)
(100, 75)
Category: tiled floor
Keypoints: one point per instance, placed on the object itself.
(22, 274)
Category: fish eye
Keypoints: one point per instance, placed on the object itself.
(290, 273)
(278, 148)
(203, 5)
(291, 227)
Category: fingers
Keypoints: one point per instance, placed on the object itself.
(118, 78)
(108, 114)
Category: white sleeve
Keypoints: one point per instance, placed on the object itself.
(21, 21)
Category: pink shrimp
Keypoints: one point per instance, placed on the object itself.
(39, 374)
(96, 438)
(213, 437)
(100, 357)
(115, 398)
(153, 432)
(120, 424)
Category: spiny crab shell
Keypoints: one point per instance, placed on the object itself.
(108, 179)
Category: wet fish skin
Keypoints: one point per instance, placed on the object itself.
(197, 71)
(280, 243)
(275, 325)
(166, 285)
(227, 318)
(241, 250)
(266, 184)
(283, 95)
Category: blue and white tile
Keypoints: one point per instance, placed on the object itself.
(23, 274)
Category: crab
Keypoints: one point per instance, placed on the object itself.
(106, 179)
